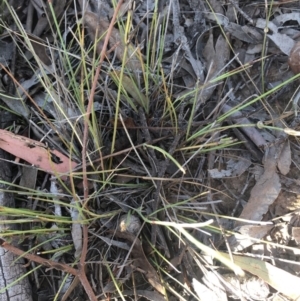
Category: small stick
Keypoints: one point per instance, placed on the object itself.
(46, 262)
(81, 274)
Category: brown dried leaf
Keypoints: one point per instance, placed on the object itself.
(285, 159)
(16, 104)
(97, 29)
(222, 52)
(265, 191)
(216, 58)
(238, 32)
(141, 261)
(209, 52)
(40, 49)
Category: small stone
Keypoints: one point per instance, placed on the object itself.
(130, 223)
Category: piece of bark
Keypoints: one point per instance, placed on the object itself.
(10, 270)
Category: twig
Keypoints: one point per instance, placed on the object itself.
(91, 100)
(38, 259)
(81, 274)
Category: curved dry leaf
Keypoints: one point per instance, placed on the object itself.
(251, 132)
(39, 47)
(220, 19)
(238, 32)
(46, 15)
(216, 56)
(264, 192)
(209, 52)
(222, 52)
(98, 28)
(36, 153)
(272, 275)
(285, 159)
(282, 18)
(15, 103)
(141, 260)
(247, 235)
(282, 41)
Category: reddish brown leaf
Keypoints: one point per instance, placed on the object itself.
(36, 153)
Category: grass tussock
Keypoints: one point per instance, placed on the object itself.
(137, 209)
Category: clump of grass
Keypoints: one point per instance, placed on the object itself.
(143, 148)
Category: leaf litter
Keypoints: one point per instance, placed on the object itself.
(206, 91)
